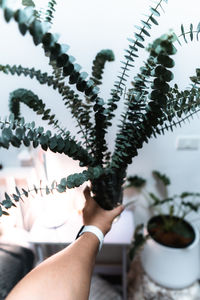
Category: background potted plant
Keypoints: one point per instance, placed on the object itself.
(170, 242)
(152, 106)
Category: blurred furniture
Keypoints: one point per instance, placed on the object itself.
(23, 177)
(61, 235)
(15, 263)
(16, 257)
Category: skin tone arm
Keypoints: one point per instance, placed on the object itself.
(67, 274)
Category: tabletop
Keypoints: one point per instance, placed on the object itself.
(45, 230)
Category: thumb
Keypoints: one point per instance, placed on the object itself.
(86, 193)
(118, 210)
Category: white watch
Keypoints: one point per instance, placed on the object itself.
(95, 230)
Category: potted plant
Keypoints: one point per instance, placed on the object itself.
(170, 242)
(152, 106)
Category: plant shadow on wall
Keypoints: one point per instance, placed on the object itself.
(168, 239)
(151, 105)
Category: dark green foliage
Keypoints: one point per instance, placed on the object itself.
(131, 54)
(17, 132)
(46, 15)
(77, 179)
(80, 111)
(108, 186)
(71, 181)
(32, 101)
(99, 64)
(99, 143)
(142, 116)
(172, 211)
(26, 97)
(152, 105)
(190, 32)
(40, 35)
(28, 3)
(135, 181)
(164, 179)
(50, 11)
(139, 239)
(177, 206)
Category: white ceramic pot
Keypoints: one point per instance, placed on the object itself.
(172, 267)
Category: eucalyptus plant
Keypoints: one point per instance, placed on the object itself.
(151, 105)
(45, 14)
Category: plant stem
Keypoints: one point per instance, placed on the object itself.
(128, 60)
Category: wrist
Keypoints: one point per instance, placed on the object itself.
(93, 229)
(104, 229)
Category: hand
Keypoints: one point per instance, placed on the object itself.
(93, 214)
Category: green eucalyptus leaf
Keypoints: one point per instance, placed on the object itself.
(8, 14)
(7, 134)
(198, 30)
(36, 31)
(146, 24)
(22, 121)
(60, 188)
(23, 28)
(5, 213)
(26, 141)
(191, 32)
(145, 32)
(47, 190)
(7, 197)
(153, 20)
(63, 182)
(139, 37)
(28, 3)
(35, 144)
(139, 44)
(19, 132)
(35, 189)
(25, 192)
(16, 197)
(7, 204)
(154, 12)
(183, 33)
(53, 143)
(17, 190)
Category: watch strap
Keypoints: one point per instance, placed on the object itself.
(93, 229)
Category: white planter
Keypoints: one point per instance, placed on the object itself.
(172, 267)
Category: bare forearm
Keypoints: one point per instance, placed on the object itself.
(64, 276)
(67, 274)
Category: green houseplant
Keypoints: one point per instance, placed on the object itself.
(152, 106)
(169, 242)
(168, 214)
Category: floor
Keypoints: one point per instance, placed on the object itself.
(141, 287)
(104, 289)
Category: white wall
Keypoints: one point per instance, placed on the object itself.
(89, 26)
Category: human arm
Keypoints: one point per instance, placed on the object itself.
(67, 274)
